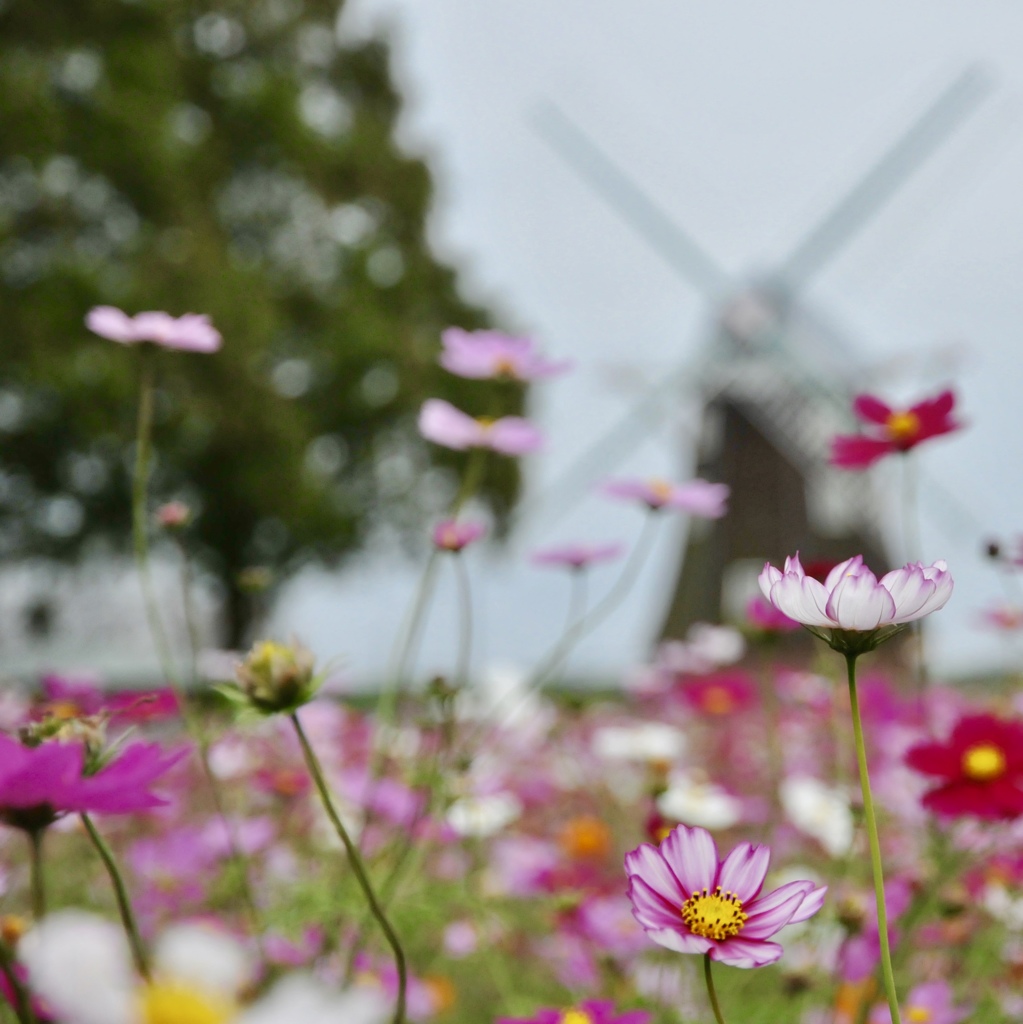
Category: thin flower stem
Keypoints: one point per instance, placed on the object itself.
(875, 845)
(140, 536)
(714, 1004)
(35, 842)
(131, 928)
(464, 662)
(22, 1001)
(358, 868)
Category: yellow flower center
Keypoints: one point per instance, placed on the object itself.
(903, 426)
(585, 837)
(173, 1003)
(717, 915)
(983, 762)
(504, 366)
(486, 422)
(660, 489)
(575, 1016)
(717, 701)
(918, 1014)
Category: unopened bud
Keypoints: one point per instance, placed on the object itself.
(277, 677)
(174, 515)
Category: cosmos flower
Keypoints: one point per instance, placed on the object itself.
(892, 430)
(690, 901)
(853, 600)
(981, 765)
(589, 1011)
(697, 801)
(442, 423)
(762, 616)
(189, 333)
(931, 1002)
(455, 534)
(577, 556)
(485, 354)
(818, 810)
(697, 497)
(40, 784)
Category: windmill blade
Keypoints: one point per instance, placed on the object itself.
(887, 176)
(624, 196)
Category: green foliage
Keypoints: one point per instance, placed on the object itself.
(233, 160)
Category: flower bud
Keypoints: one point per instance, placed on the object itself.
(277, 677)
(173, 515)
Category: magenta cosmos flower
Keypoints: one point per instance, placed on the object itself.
(929, 1003)
(588, 1011)
(455, 534)
(484, 354)
(40, 784)
(577, 556)
(892, 430)
(189, 333)
(852, 598)
(690, 901)
(980, 765)
(697, 497)
(442, 423)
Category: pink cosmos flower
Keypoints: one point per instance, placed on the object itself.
(577, 556)
(1004, 617)
(931, 1002)
(442, 423)
(892, 430)
(688, 900)
(484, 354)
(697, 497)
(189, 333)
(39, 784)
(853, 598)
(453, 534)
(588, 1011)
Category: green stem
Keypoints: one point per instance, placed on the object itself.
(131, 928)
(358, 868)
(22, 1001)
(35, 842)
(465, 622)
(875, 845)
(714, 1004)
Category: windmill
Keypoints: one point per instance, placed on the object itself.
(774, 379)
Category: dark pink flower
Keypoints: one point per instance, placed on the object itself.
(189, 333)
(724, 693)
(588, 1011)
(442, 423)
(40, 784)
(454, 534)
(892, 430)
(577, 556)
(697, 497)
(483, 354)
(690, 901)
(763, 616)
(931, 1002)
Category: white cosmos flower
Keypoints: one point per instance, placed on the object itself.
(695, 801)
(483, 816)
(646, 741)
(819, 811)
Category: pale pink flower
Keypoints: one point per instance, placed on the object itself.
(189, 333)
(853, 598)
(697, 497)
(485, 354)
(577, 556)
(454, 534)
(690, 901)
(442, 423)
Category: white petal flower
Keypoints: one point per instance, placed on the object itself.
(820, 811)
(694, 801)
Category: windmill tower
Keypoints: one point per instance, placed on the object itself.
(775, 381)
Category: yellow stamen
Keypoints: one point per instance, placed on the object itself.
(172, 1003)
(660, 489)
(585, 837)
(442, 990)
(575, 1016)
(717, 915)
(903, 426)
(983, 762)
(504, 367)
(717, 701)
(918, 1014)
(486, 422)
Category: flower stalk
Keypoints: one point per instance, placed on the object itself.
(875, 845)
(357, 865)
(35, 842)
(711, 991)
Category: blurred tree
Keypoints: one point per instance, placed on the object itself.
(236, 158)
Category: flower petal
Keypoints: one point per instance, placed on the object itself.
(744, 869)
(803, 599)
(872, 409)
(740, 952)
(860, 603)
(693, 856)
(514, 435)
(650, 909)
(772, 912)
(442, 423)
(850, 567)
(681, 942)
(767, 579)
(647, 862)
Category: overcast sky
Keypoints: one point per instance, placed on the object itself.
(745, 122)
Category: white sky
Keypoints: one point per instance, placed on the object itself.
(745, 121)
